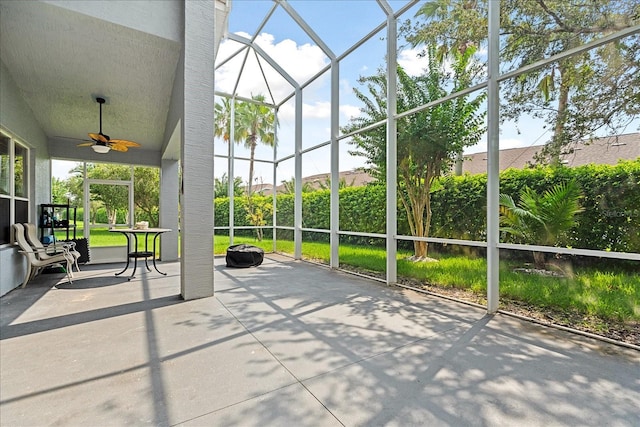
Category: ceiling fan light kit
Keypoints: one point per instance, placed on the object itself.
(102, 149)
(101, 143)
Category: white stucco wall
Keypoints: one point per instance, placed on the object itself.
(17, 119)
(159, 18)
(196, 255)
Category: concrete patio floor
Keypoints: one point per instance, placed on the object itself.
(292, 344)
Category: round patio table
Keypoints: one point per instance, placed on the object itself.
(134, 253)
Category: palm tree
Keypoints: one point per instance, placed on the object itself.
(221, 186)
(342, 183)
(255, 123)
(222, 124)
(541, 219)
(289, 186)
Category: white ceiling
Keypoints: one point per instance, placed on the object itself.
(60, 59)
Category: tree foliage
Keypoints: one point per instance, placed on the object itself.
(254, 123)
(114, 198)
(59, 191)
(610, 199)
(427, 141)
(342, 183)
(146, 191)
(577, 97)
(289, 186)
(221, 186)
(541, 219)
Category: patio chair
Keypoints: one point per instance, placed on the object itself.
(31, 233)
(34, 263)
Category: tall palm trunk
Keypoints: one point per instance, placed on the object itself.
(251, 157)
(563, 105)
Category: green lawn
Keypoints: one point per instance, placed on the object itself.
(613, 295)
(103, 237)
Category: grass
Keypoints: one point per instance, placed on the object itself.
(103, 237)
(611, 295)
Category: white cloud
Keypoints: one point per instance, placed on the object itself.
(317, 110)
(350, 111)
(301, 62)
(412, 62)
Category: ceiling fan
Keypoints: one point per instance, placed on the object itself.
(101, 143)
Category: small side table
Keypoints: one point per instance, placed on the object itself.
(134, 253)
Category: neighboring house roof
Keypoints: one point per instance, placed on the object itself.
(601, 151)
(353, 178)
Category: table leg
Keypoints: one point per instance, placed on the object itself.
(128, 244)
(146, 249)
(154, 255)
(135, 261)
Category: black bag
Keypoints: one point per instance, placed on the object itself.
(243, 256)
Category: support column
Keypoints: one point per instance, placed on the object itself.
(335, 165)
(297, 209)
(169, 203)
(231, 172)
(493, 168)
(274, 195)
(196, 258)
(392, 149)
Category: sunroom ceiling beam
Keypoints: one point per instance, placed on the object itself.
(266, 57)
(307, 29)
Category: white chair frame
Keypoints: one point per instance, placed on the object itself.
(34, 261)
(31, 233)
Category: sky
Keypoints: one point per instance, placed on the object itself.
(339, 24)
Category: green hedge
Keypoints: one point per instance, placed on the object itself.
(610, 221)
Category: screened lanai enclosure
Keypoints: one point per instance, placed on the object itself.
(489, 146)
(311, 95)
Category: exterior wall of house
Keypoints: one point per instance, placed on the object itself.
(196, 190)
(189, 127)
(18, 120)
(149, 16)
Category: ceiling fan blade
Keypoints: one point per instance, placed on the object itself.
(98, 137)
(86, 144)
(125, 143)
(118, 147)
(69, 138)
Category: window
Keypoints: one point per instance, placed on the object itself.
(14, 185)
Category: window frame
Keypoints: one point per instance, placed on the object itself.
(7, 238)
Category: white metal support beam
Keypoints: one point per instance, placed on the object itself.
(334, 226)
(266, 57)
(306, 28)
(392, 144)
(274, 192)
(297, 211)
(493, 169)
(231, 170)
(196, 256)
